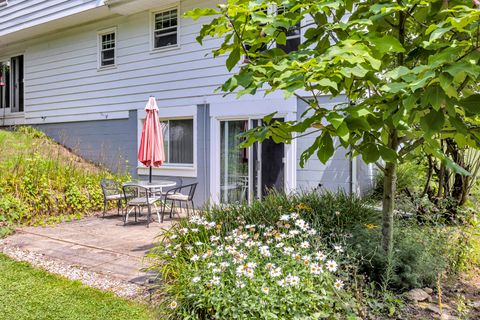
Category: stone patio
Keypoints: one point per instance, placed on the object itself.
(95, 244)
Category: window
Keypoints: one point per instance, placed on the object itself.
(4, 84)
(165, 29)
(178, 141)
(293, 35)
(16, 84)
(11, 84)
(107, 48)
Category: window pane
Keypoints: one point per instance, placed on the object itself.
(165, 33)
(5, 85)
(291, 45)
(181, 141)
(165, 40)
(16, 84)
(233, 162)
(108, 57)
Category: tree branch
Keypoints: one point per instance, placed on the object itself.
(411, 147)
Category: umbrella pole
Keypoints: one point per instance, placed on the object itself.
(150, 175)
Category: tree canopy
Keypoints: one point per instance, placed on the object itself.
(409, 70)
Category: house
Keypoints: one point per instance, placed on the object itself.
(83, 70)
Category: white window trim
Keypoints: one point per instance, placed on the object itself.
(152, 28)
(100, 33)
(167, 169)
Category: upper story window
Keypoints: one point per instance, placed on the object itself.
(165, 29)
(11, 84)
(107, 45)
(293, 35)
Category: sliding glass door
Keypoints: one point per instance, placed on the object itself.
(248, 173)
(234, 162)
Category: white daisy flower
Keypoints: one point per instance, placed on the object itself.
(288, 250)
(240, 284)
(292, 280)
(282, 283)
(196, 279)
(316, 269)
(279, 245)
(214, 238)
(304, 245)
(331, 266)
(195, 258)
(265, 290)
(338, 284)
(277, 272)
(284, 217)
(173, 305)
(321, 256)
(312, 232)
(198, 243)
(173, 236)
(338, 248)
(215, 280)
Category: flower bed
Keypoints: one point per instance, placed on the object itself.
(247, 271)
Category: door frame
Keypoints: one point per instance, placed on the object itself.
(215, 139)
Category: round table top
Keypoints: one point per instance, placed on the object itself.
(153, 185)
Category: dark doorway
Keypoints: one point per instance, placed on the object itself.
(268, 166)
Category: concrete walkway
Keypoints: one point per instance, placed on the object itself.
(99, 245)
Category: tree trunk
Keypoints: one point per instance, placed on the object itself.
(441, 180)
(389, 190)
(429, 177)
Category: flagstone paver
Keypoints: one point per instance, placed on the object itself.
(95, 244)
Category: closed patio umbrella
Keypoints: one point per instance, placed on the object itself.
(151, 152)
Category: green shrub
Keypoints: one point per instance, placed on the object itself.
(236, 270)
(41, 181)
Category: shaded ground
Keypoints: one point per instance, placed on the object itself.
(460, 299)
(93, 250)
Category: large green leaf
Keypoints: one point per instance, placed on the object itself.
(386, 44)
(471, 104)
(433, 121)
(325, 148)
(233, 58)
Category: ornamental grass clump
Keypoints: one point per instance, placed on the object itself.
(282, 271)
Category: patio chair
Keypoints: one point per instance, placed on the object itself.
(111, 192)
(175, 195)
(138, 197)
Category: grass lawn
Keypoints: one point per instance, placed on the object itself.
(29, 293)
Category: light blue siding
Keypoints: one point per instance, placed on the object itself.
(21, 14)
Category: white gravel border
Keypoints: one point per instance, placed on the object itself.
(120, 288)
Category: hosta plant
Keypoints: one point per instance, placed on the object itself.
(245, 271)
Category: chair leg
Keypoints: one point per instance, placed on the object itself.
(187, 208)
(171, 208)
(127, 213)
(193, 207)
(119, 204)
(149, 214)
(158, 213)
(104, 208)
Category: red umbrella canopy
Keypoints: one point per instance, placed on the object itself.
(151, 152)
